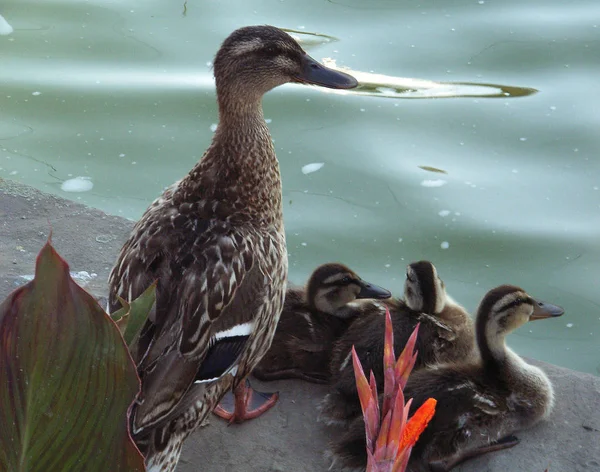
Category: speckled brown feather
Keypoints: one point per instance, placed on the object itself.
(215, 243)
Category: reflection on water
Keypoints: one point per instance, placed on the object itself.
(379, 85)
(109, 102)
(308, 39)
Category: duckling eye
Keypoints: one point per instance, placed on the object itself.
(346, 280)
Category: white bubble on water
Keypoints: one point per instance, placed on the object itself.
(445, 245)
(434, 183)
(213, 127)
(569, 325)
(444, 213)
(313, 167)
(77, 184)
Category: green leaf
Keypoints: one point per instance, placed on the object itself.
(121, 312)
(67, 380)
(131, 316)
(138, 313)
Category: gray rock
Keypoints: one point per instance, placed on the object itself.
(289, 437)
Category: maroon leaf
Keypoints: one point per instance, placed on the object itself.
(67, 380)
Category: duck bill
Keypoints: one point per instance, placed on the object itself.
(316, 73)
(543, 310)
(368, 290)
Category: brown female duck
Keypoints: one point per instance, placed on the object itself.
(215, 242)
(445, 335)
(481, 403)
(310, 322)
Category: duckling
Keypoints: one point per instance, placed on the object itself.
(480, 403)
(445, 335)
(311, 321)
(215, 242)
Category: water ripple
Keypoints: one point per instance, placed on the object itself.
(387, 86)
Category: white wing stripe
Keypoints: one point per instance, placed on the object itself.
(243, 329)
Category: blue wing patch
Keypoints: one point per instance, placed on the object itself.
(220, 358)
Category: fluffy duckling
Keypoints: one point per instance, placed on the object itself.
(480, 403)
(215, 243)
(311, 321)
(445, 335)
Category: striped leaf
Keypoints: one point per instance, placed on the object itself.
(67, 380)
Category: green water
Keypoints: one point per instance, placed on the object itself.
(121, 93)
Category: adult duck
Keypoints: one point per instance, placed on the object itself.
(446, 334)
(482, 403)
(311, 321)
(215, 242)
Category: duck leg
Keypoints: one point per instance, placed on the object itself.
(444, 465)
(246, 404)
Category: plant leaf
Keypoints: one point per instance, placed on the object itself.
(121, 312)
(138, 313)
(406, 360)
(67, 380)
(389, 375)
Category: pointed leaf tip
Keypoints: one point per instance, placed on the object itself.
(362, 386)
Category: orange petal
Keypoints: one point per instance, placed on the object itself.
(418, 422)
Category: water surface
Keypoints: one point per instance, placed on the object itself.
(116, 98)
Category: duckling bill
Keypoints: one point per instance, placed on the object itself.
(215, 242)
(311, 321)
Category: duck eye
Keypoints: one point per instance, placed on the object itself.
(346, 280)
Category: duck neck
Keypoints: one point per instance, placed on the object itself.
(240, 168)
(492, 347)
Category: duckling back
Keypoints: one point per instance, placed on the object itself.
(445, 335)
(302, 343)
(481, 401)
(312, 319)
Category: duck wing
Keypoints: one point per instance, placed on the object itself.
(219, 296)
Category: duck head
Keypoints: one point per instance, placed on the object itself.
(424, 291)
(255, 59)
(504, 309)
(331, 286)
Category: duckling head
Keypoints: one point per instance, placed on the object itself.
(255, 59)
(331, 286)
(506, 308)
(424, 291)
